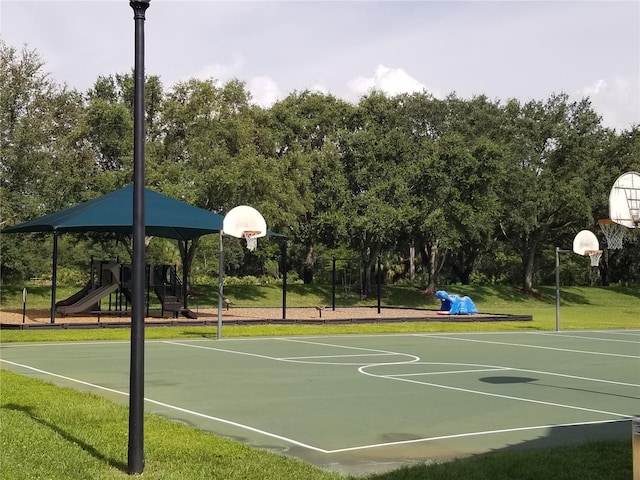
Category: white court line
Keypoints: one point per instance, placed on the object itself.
(305, 445)
(413, 358)
(475, 434)
(166, 405)
(528, 346)
(487, 394)
(584, 337)
(295, 442)
(216, 349)
(576, 377)
(497, 369)
(62, 344)
(337, 356)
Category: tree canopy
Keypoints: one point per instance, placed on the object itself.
(441, 189)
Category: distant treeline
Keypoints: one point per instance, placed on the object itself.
(435, 190)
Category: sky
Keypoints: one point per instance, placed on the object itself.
(527, 50)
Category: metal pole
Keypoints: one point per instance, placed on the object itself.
(333, 285)
(379, 283)
(284, 279)
(24, 303)
(136, 383)
(185, 277)
(557, 289)
(220, 286)
(54, 276)
(558, 252)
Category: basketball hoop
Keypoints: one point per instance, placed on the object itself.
(245, 222)
(594, 255)
(613, 232)
(251, 236)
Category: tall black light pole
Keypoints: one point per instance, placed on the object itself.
(136, 374)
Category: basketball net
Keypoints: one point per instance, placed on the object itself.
(613, 232)
(594, 255)
(251, 238)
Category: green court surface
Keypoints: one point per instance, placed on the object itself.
(365, 403)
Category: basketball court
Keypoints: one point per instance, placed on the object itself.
(366, 403)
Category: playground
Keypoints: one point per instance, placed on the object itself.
(366, 403)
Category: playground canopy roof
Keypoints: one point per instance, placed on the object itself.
(164, 217)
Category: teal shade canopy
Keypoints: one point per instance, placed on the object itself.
(165, 217)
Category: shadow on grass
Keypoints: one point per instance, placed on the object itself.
(67, 436)
(581, 451)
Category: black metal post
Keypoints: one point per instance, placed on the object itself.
(333, 285)
(379, 283)
(185, 270)
(284, 279)
(54, 276)
(136, 383)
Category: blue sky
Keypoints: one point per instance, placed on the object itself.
(503, 49)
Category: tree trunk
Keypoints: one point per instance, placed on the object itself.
(412, 262)
(435, 265)
(528, 261)
(307, 272)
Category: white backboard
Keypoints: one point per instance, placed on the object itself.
(585, 241)
(244, 218)
(624, 200)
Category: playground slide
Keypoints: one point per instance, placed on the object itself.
(85, 303)
(75, 297)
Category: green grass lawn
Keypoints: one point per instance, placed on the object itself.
(57, 433)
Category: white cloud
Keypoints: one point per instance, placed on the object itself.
(318, 87)
(264, 91)
(616, 99)
(221, 72)
(392, 81)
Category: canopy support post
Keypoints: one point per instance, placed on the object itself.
(284, 279)
(54, 276)
(220, 286)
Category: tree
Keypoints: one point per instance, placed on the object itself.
(379, 165)
(306, 128)
(44, 167)
(551, 161)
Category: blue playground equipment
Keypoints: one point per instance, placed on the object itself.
(454, 304)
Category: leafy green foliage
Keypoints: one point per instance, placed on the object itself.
(441, 190)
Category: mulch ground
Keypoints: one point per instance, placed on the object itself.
(241, 315)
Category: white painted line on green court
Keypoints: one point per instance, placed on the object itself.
(576, 377)
(216, 349)
(305, 359)
(487, 394)
(337, 356)
(473, 434)
(75, 380)
(493, 342)
(421, 374)
(172, 407)
(584, 337)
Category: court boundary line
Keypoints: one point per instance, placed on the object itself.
(362, 368)
(288, 359)
(569, 350)
(582, 337)
(487, 394)
(169, 406)
(311, 447)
